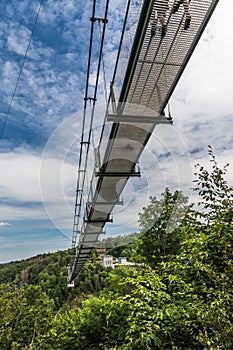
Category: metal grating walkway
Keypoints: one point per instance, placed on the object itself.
(158, 65)
(147, 71)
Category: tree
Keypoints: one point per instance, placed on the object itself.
(160, 222)
(198, 278)
(25, 313)
(205, 258)
(181, 298)
(216, 195)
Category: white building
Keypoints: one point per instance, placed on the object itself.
(107, 260)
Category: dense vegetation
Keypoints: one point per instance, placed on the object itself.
(178, 295)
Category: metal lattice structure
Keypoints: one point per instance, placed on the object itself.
(146, 73)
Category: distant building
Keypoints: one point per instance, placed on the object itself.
(101, 250)
(107, 260)
(122, 260)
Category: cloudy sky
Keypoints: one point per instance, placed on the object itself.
(42, 83)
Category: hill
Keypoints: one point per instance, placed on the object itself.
(179, 295)
(50, 270)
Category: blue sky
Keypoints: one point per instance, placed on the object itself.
(39, 147)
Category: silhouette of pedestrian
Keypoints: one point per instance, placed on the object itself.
(161, 7)
(175, 8)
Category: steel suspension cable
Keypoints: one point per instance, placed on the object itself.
(95, 94)
(81, 179)
(103, 68)
(79, 188)
(116, 65)
(20, 72)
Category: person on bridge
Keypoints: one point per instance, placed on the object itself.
(175, 8)
(161, 7)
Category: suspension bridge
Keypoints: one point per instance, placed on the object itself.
(157, 41)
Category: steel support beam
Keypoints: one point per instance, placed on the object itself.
(117, 118)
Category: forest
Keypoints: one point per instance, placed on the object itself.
(177, 295)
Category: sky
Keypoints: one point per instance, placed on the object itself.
(42, 86)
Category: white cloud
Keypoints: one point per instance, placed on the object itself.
(206, 85)
(22, 187)
(2, 224)
(52, 87)
(18, 39)
(9, 73)
(19, 175)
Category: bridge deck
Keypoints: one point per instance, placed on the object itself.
(140, 91)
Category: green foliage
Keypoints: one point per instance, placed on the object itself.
(121, 240)
(145, 306)
(25, 313)
(180, 296)
(92, 279)
(122, 250)
(216, 195)
(160, 318)
(50, 272)
(160, 223)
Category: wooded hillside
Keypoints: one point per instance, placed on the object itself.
(178, 295)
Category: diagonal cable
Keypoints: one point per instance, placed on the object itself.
(20, 72)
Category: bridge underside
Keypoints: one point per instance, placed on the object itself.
(140, 91)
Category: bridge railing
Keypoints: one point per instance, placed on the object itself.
(131, 24)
